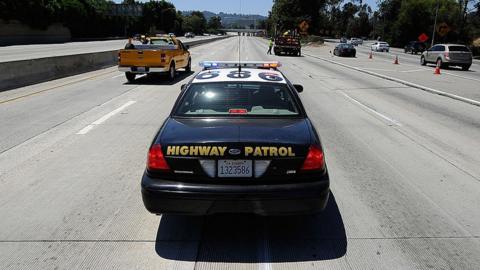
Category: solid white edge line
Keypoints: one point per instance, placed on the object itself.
(104, 118)
(421, 87)
(391, 120)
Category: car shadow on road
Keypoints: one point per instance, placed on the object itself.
(253, 239)
(290, 55)
(160, 79)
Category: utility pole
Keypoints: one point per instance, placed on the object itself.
(435, 24)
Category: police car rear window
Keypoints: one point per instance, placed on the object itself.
(237, 99)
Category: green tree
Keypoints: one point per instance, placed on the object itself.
(37, 14)
(214, 23)
(288, 14)
(159, 16)
(403, 20)
(195, 23)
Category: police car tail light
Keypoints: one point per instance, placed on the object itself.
(156, 160)
(314, 160)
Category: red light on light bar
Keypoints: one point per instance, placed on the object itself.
(237, 111)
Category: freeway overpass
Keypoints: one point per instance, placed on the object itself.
(234, 30)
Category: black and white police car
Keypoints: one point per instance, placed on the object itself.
(238, 140)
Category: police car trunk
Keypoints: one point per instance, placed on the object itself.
(236, 141)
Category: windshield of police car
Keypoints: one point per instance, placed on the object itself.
(233, 99)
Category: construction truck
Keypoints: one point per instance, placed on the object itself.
(288, 44)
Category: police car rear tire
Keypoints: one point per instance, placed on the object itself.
(130, 76)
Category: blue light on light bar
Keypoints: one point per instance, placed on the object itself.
(235, 64)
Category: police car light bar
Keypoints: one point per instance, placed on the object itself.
(235, 64)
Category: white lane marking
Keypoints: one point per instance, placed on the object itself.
(414, 85)
(463, 77)
(104, 118)
(391, 120)
(85, 130)
(413, 70)
(380, 69)
(263, 250)
(117, 76)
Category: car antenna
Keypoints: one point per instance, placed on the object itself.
(239, 36)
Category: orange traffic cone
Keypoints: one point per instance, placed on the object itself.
(396, 60)
(437, 69)
(370, 56)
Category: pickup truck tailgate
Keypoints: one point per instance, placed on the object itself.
(142, 58)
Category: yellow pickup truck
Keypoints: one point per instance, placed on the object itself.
(162, 54)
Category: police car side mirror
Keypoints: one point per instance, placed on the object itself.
(298, 87)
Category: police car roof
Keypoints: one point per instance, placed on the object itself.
(246, 75)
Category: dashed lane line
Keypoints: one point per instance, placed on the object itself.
(383, 116)
(117, 76)
(104, 118)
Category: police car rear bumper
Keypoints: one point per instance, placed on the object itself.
(171, 197)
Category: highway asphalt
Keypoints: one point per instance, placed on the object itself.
(25, 52)
(452, 80)
(403, 165)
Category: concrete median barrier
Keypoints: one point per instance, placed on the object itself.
(26, 72)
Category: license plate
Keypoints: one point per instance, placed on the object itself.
(235, 168)
(141, 69)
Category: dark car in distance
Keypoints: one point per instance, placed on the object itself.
(415, 47)
(236, 141)
(344, 49)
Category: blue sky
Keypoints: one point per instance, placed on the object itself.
(260, 7)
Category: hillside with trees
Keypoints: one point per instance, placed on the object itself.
(396, 21)
(98, 18)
